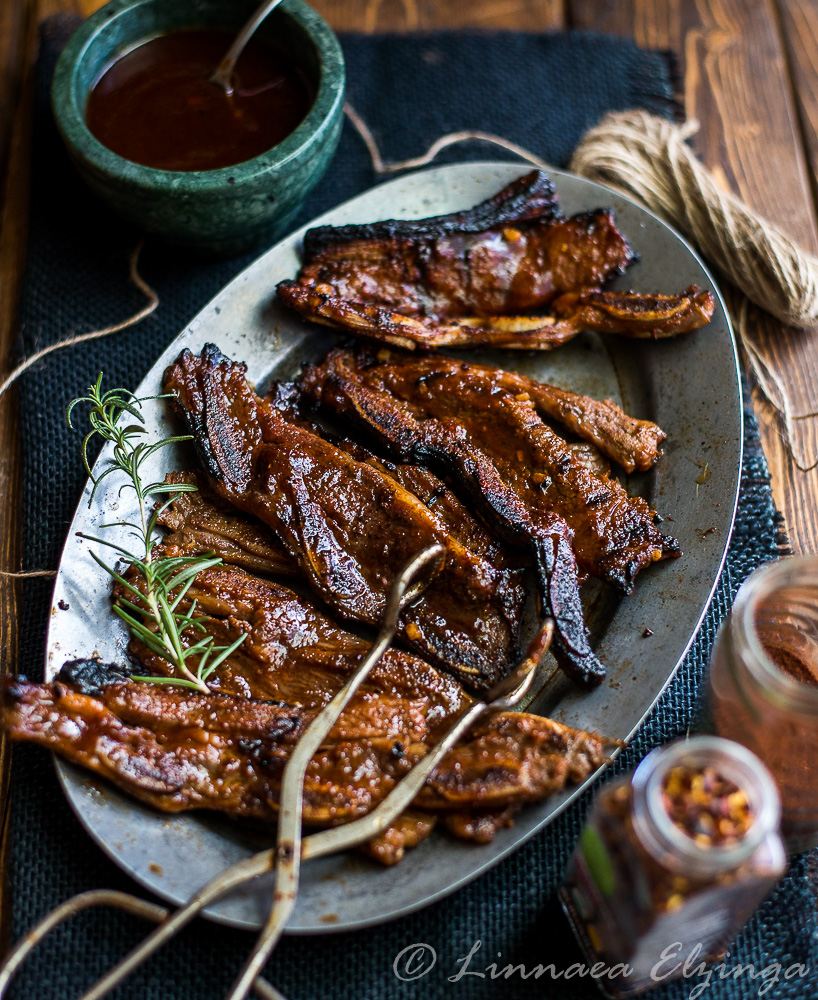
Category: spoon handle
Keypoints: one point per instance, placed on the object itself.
(223, 74)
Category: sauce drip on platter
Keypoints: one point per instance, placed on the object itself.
(157, 106)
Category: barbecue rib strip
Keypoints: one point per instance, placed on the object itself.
(625, 313)
(436, 495)
(481, 277)
(464, 419)
(413, 436)
(499, 272)
(180, 750)
(632, 443)
(294, 654)
(348, 527)
(201, 522)
(527, 481)
(287, 398)
(632, 314)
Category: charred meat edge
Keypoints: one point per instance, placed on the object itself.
(235, 431)
(529, 197)
(341, 384)
(462, 418)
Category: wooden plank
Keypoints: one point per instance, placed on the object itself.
(418, 15)
(799, 27)
(736, 83)
(14, 16)
(18, 36)
(16, 54)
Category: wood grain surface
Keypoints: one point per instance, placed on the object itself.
(735, 60)
(750, 76)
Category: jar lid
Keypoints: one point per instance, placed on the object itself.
(663, 838)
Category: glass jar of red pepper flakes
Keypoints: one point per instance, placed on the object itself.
(763, 685)
(673, 860)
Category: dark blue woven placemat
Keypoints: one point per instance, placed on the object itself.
(541, 92)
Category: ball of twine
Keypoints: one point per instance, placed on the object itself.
(648, 158)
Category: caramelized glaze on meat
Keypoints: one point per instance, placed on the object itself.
(633, 314)
(180, 750)
(456, 415)
(408, 830)
(202, 522)
(445, 283)
(288, 400)
(342, 384)
(523, 477)
(628, 314)
(493, 273)
(632, 443)
(436, 495)
(348, 527)
(293, 653)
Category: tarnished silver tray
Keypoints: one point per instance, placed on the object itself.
(690, 386)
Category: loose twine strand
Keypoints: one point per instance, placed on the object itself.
(380, 166)
(141, 284)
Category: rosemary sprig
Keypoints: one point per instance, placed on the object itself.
(152, 608)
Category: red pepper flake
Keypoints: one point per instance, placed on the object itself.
(709, 808)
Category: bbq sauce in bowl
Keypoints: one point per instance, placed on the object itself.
(156, 106)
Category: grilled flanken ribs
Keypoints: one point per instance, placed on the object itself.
(468, 421)
(293, 653)
(288, 399)
(179, 750)
(348, 527)
(632, 443)
(479, 278)
(296, 656)
(201, 522)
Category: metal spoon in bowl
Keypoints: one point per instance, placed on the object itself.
(223, 74)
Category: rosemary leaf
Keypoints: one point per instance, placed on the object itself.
(162, 583)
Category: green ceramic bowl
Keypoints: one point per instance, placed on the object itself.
(224, 211)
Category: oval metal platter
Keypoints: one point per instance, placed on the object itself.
(688, 385)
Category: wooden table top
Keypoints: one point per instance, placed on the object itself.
(750, 76)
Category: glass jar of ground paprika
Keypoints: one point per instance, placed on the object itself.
(672, 862)
(763, 685)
